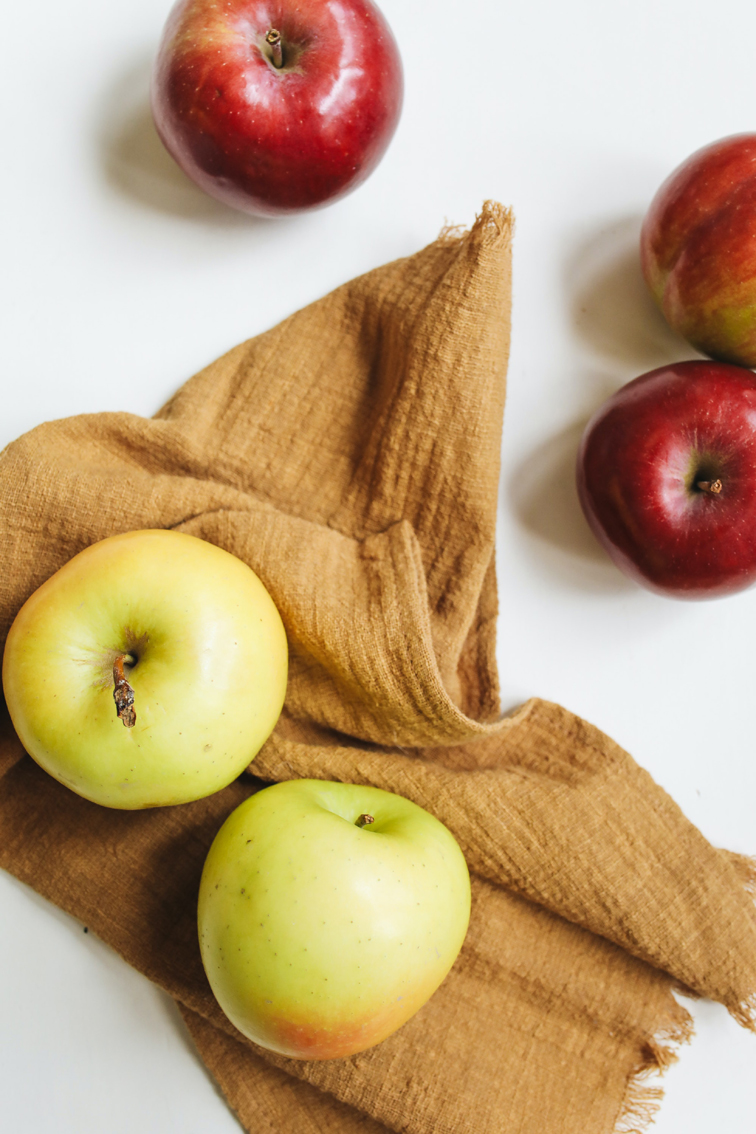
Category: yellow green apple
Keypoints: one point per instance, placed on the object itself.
(149, 670)
(328, 914)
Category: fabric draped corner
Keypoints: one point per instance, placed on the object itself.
(350, 456)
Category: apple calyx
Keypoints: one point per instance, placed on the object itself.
(365, 820)
(275, 43)
(123, 694)
(712, 487)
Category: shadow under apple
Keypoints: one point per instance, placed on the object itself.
(613, 313)
(543, 496)
(138, 166)
(611, 306)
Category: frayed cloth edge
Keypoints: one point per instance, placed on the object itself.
(641, 1102)
(744, 1013)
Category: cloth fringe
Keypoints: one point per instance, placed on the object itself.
(492, 216)
(642, 1101)
(745, 1012)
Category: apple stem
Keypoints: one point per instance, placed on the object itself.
(273, 40)
(123, 694)
(713, 487)
(364, 820)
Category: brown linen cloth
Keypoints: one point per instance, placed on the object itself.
(351, 457)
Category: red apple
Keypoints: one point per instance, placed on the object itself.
(667, 479)
(698, 249)
(275, 106)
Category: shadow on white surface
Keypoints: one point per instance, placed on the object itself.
(179, 1029)
(612, 310)
(544, 498)
(137, 165)
(80, 1026)
(613, 314)
(719, 1056)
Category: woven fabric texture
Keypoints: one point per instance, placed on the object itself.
(351, 457)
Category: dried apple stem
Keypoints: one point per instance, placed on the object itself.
(123, 694)
(273, 40)
(364, 820)
(713, 487)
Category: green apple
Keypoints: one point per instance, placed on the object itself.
(149, 670)
(328, 915)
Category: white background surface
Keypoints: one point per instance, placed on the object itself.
(120, 280)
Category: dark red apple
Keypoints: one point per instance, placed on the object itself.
(666, 476)
(275, 106)
(698, 249)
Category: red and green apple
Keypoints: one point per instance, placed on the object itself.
(149, 670)
(328, 914)
(698, 249)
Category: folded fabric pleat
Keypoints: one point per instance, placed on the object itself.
(351, 457)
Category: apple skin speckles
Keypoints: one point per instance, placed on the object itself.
(321, 947)
(666, 475)
(267, 139)
(167, 605)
